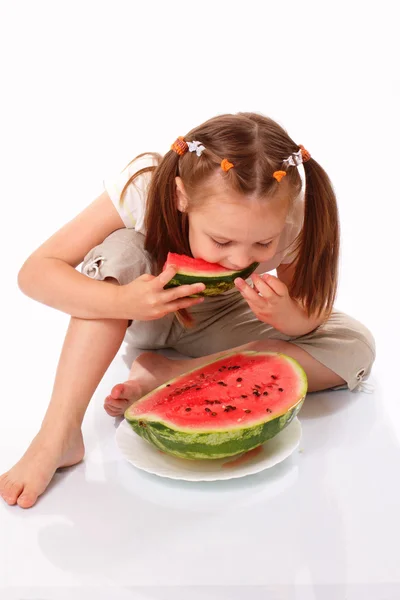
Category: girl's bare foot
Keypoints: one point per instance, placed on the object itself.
(29, 478)
(148, 371)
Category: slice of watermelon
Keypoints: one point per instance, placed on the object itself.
(216, 278)
(226, 407)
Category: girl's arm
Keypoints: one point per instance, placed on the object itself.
(49, 275)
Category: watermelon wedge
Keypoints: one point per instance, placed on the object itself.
(216, 278)
(223, 408)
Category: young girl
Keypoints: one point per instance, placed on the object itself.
(228, 192)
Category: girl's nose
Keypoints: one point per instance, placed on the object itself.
(240, 262)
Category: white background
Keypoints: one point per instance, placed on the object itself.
(85, 87)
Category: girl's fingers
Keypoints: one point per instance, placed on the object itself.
(179, 291)
(182, 291)
(269, 283)
(250, 294)
(165, 276)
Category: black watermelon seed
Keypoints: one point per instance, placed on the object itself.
(213, 414)
(188, 409)
(274, 377)
(257, 386)
(223, 383)
(239, 379)
(168, 385)
(265, 393)
(243, 396)
(207, 409)
(256, 393)
(280, 389)
(247, 410)
(268, 410)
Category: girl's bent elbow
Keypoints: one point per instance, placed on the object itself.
(27, 275)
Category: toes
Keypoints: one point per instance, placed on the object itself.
(112, 403)
(113, 410)
(122, 395)
(10, 490)
(117, 391)
(14, 492)
(27, 499)
(109, 410)
(131, 390)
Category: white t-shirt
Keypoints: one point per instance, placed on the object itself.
(132, 210)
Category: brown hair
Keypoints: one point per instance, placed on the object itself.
(257, 146)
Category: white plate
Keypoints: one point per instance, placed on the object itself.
(147, 457)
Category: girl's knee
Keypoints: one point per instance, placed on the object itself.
(366, 349)
(121, 257)
(365, 335)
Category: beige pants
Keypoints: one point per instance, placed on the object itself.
(343, 344)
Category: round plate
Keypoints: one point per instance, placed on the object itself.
(147, 457)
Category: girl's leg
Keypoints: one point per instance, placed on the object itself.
(88, 350)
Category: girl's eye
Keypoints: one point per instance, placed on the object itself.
(227, 244)
(221, 245)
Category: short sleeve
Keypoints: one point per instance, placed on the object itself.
(132, 208)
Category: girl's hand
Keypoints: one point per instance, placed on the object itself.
(144, 298)
(274, 306)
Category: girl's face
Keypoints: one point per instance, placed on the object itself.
(235, 231)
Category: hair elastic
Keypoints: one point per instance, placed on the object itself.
(294, 160)
(180, 146)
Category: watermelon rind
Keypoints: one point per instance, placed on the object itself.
(217, 443)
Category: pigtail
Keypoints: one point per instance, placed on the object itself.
(315, 278)
(166, 227)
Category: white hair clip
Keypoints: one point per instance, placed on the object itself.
(294, 159)
(195, 147)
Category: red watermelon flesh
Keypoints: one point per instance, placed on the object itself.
(196, 266)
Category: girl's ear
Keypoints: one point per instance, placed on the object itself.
(182, 201)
